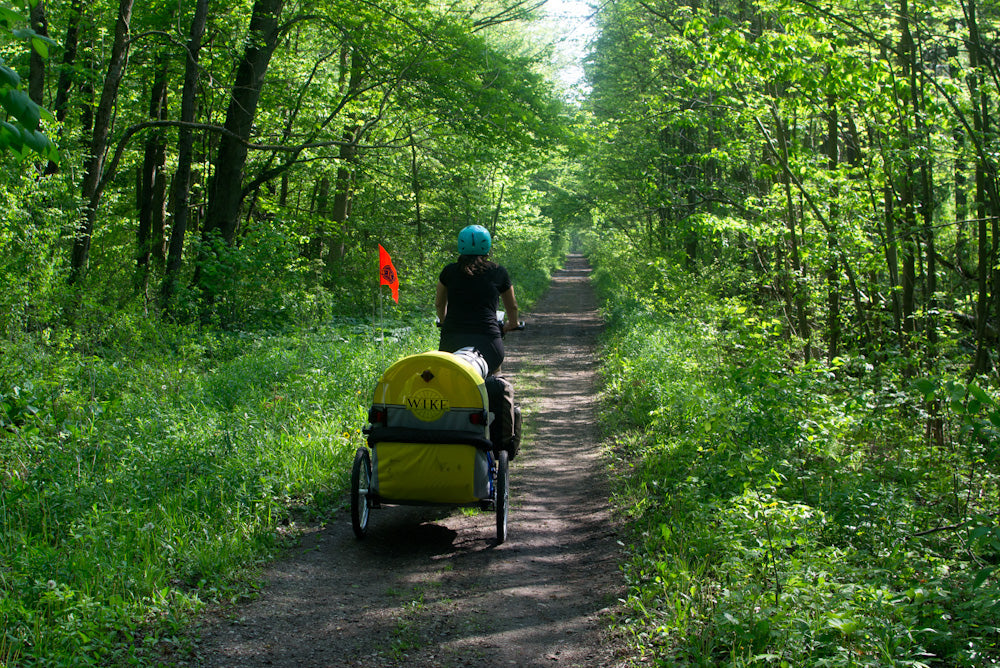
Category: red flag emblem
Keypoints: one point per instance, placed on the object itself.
(387, 272)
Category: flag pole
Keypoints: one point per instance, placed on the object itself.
(381, 322)
(380, 330)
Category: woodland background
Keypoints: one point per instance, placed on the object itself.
(793, 210)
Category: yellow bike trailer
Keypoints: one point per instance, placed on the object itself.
(429, 442)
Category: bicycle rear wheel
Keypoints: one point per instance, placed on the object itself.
(361, 477)
(502, 495)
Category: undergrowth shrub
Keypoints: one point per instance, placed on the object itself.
(791, 514)
(156, 470)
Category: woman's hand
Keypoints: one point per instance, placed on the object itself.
(510, 306)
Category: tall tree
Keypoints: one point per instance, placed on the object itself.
(180, 194)
(986, 189)
(225, 192)
(67, 65)
(351, 67)
(103, 118)
(152, 182)
(36, 75)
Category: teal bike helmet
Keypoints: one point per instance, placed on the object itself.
(474, 240)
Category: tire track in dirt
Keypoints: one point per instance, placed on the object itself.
(429, 587)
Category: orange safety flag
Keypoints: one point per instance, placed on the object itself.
(387, 272)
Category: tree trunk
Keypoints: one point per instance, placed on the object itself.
(853, 156)
(960, 183)
(36, 71)
(343, 187)
(905, 188)
(659, 202)
(909, 279)
(351, 75)
(833, 271)
(225, 195)
(797, 281)
(92, 185)
(415, 186)
(691, 235)
(980, 105)
(993, 261)
(930, 248)
(151, 188)
(892, 257)
(495, 220)
(959, 167)
(70, 47)
(185, 150)
(321, 207)
(934, 422)
(225, 192)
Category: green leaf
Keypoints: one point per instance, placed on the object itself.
(21, 141)
(10, 17)
(980, 394)
(10, 138)
(40, 46)
(35, 140)
(982, 576)
(979, 532)
(18, 104)
(665, 532)
(8, 77)
(927, 387)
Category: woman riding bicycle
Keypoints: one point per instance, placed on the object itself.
(468, 294)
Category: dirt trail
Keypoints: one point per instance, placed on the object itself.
(430, 588)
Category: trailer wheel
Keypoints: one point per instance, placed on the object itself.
(361, 478)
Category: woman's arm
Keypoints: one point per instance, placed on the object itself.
(441, 301)
(510, 306)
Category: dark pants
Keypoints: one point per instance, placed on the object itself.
(490, 347)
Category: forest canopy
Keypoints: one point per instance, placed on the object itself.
(217, 165)
(841, 154)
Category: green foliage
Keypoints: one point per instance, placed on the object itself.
(157, 472)
(530, 254)
(32, 227)
(788, 514)
(781, 142)
(264, 283)
(22, 133)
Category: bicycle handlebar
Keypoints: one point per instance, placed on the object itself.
(519, 328)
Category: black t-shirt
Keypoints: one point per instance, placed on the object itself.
(473, 300)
